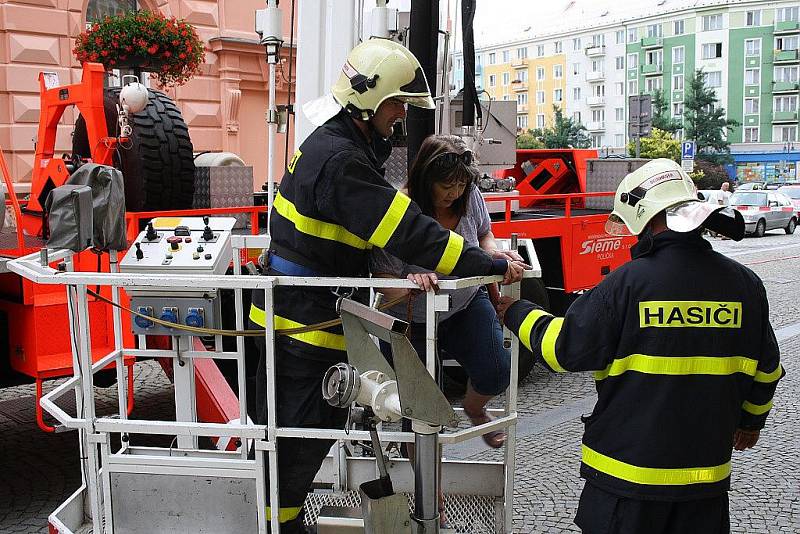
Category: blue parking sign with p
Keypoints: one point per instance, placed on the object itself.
(687, 150)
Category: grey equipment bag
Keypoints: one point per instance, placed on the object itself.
(69, 209)
(108, 199)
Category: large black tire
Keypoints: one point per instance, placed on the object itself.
(158, 166)
(791, 226)
(761, 228)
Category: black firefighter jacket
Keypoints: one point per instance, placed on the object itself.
(683, 353)
(333, 205)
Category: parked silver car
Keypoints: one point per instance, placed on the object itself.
(765, 210)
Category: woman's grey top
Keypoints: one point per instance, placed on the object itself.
(474, 224)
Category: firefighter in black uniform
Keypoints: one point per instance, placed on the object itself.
(333, 205)
(685, 361)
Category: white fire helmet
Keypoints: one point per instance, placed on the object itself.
(659, 185)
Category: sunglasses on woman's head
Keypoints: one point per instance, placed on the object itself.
(448, 160)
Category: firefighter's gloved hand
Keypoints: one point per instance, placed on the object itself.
(745, 439)
(425, 281)
(504, 304)
(514, 272)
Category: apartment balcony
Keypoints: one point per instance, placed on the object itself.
(596, 126)
(522, 108)
(786, 56)
(596, 51)
(519, 63)
(653, 69)
(519, 86)
(785, 87)
(595, 76)
(787, 26)
(596, 101)
(784, 116)
(652, 42)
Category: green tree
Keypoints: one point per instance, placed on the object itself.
(527, 140)
(708, 175)
(661, 115)
(565, 132)
(706, 123)
(659, 144)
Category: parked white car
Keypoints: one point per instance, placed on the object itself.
(765, 210)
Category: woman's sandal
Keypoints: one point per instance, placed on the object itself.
(496, 438)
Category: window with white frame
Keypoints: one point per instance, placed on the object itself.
(753, 18)
(713, 78)
(492, 58)
(478, 60)
(678, 54)
(782, 134)
(788, 73)
(654, 30)
(654, 57)
(712, 22)
(597, 65)
(711, 50)
(677, 109)
(598, 115)
(506, 97)
(633, 60)
(558, 71)
(557, 47)
(540, 97)
(633, 35)
(599, 90)
(596, 140)
(619, 88)
(751, 106)
(522, 99)
(576, 116)
(752, 47)
(784, 103)
(522, 122)
(558, 95)
(540, 50)
(522, 52)
(619, 62)
(506, 56)
(787, 42)
(786, 14)
(540, 73)
(752, 76)
(459, 65)
(619, 140)
(619, 114)
(506, 78)
(677, 82)
(522, 76)
(576, 44)
(492, 80)
(751, 134)
(598, 39)
(540, 120)
(576, 68)
(576, 94)
(633, 87)
(620, 36)
(678, 27)
(653, 84)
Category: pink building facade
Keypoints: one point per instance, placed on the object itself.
(224, 106)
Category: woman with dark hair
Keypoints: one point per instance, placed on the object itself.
(442, 181)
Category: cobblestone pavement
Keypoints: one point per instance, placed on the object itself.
(39, 471)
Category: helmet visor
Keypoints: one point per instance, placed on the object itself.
(616, 226)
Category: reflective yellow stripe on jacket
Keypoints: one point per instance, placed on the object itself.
(318, 338)
(677, 366)
(391, 220)
(769, 378)
(315, 227)
(548, 340)
(455, 245)
(652, 475)
(756, 409)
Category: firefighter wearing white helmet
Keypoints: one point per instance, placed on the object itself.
(332, 207)
(684, 357)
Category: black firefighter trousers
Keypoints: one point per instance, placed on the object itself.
(601, 512)
(299, 404)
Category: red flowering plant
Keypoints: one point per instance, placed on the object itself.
(167, 47)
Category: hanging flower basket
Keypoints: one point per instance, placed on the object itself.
(167, 47)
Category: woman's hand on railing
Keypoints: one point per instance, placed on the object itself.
(425, 281)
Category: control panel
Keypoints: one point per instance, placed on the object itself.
(178, 245)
